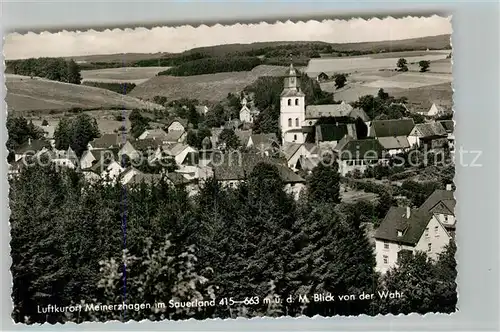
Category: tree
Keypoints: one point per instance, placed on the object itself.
(45, 122)
(138, 123)
(76, 133)
(230, 139)
(340, 80)
(324, 184)
(62, 134)
(424, 65)
(73, 72)
(402, 64)
(20, 130)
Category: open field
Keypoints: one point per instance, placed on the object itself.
(420, 99)
(350, 64)
(209, 87)
(105, 120)
(353, 196)
(135, 75)
(118, 58)
(369, 81)
(25, 94)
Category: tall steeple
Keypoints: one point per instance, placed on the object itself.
(291, 78)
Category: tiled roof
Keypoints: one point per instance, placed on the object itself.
(332, 110)
(157, 133)
(431, 129)
(177, 179)
(106, 141)
(183, 122)
(361, 149)
(448, 125)
(34, 146)
(391, 128)
(239, 169)
(264, 140)
(173, 136)
(331, 132)
(145, 144)
(444, 196)
(146, 178)
(398, 142)
(174, 149)
(289, 149)
(106, 153)
(396, 220)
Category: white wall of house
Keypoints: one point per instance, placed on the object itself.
(175, 126)
(433, 111)
(386, 254)
(144, 135)
(63, 162)
(246, 115)
(112, 171)
(86, 160)
(393, 152)
(179, 158)
(346, 166)
(128, 150)
(129, 175)
(295, 189)
(445, 219)
(434, 239)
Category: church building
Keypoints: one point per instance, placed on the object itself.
(292, 109)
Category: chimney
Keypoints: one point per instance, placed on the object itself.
(407, 212)
(448, 187)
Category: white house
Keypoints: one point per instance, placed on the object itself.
(248, 113)
(406, 231)
(441, 204)
(129, 150)
(179, 151)
(434, 111)
(106, 141)
(392, 134)
(177, 125)
(431, 135)
(128, 174)
(156, 134)
(202, 109)
(295, 153)
(64, 158)
(91, 157)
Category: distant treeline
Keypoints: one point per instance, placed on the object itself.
(213, 65)
(123, 88)
(56, 69)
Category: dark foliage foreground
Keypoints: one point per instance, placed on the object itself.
(75, 243)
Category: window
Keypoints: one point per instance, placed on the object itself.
(386, 259)
(427, 232)
(289, 122)
(294, 137)
(296, 122)
(436, 230)
(289, 102)
(296, 101)
(350, 162)
(386, 245)
(446, 217)
(429, 247)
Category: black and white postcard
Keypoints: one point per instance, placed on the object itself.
(244, 170)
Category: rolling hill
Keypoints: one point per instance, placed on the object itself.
(209, 87)
(25, 94)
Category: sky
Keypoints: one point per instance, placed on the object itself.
(181, 38)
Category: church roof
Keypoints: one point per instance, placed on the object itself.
(292, 93)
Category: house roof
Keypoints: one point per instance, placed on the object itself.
(448, 125)
(144, 144)
(331, 132)
(292, 93)
(200, 109)
(156, 133)
(289, 149)
(333, 110)
(431, 129)
(173, 136)
(106, 141)
(100, 153)
(445, 197)
(308, 163)
(239, 169)
(396, 220)
(340, 145)
(177, 179)
(183, 122)
(174, 149)
(391, 128)
(264, 141)
(361, 149)
(397, 142)
(34, 145)
(144, 177)
(359, 113)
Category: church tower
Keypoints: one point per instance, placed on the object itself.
(292, 109)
